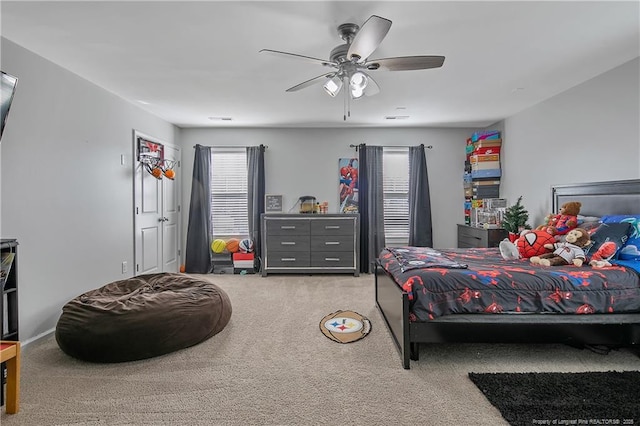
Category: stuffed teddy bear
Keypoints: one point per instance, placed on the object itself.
(564, 221)
(565, 253)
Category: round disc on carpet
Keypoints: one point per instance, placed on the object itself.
(345, 326)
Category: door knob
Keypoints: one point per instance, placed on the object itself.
(163, 219)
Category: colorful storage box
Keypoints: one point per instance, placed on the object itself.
(486, 173)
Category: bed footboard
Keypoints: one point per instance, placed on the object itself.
(393, 304)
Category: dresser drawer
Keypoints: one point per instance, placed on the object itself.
(287, 227)
(293, 243)
(289, 259)
(332, 243)
(332, 259)
(332, 227)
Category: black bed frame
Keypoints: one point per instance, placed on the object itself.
(598, 198)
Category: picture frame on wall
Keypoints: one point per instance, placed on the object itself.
(273, 203)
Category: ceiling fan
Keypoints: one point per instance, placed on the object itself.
(351, 64)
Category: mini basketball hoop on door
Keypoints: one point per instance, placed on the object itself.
(151, 156)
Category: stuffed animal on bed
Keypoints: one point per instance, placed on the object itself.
(601, 257)
(529, 244)
(564, 221)
(567, 252)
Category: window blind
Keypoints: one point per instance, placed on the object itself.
(229, 215)
(395, 163)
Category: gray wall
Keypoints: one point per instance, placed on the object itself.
(305, 162)
(65, 195)
(69, 201)
(589, 133)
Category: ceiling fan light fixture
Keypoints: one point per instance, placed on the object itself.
(333, 86)
(356, 93)
(358, 82)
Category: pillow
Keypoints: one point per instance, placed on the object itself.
(590, 227)
(586, 219)
(631, 250)
(609, 237)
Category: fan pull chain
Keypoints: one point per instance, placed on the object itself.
(344, 106)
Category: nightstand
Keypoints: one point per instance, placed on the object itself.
(469, 236)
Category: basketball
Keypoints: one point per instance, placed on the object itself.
(218, 245)
(246, 245)
(233, 244)
(170, 174)
(532, 243)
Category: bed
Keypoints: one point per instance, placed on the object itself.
(607, 314)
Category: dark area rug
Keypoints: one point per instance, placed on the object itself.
(600, 398)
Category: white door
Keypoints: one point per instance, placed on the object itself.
(156, 215)
(171, 215)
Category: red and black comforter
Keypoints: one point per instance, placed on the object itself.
(441, 282)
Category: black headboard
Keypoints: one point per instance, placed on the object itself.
(600, 198)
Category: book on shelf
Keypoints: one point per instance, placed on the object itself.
(5, 315)
(5, 267)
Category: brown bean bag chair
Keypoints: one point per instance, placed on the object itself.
(142, 317)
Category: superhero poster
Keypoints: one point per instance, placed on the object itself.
(348, 190)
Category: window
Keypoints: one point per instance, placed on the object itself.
(395, 166)
(229, 215)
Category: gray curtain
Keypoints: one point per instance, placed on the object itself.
(198, 253)
(370, 205)
(256, 185)
(420, 234)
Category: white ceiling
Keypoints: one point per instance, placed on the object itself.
(188, 61)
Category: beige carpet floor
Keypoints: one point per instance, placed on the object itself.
(271, 365)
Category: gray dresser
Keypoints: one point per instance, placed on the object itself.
(310, 243)
(469, 236)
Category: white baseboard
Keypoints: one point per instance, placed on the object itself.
(34, 338)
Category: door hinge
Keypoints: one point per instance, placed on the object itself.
(137, 211)
(178, 209)
(137, 268)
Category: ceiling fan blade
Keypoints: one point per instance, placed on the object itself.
(296, 56)
(372, 87)
(368, 38)
(311, 82)
(405, 63)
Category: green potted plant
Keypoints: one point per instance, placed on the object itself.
(515, 219)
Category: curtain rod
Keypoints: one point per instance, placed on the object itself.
(391, 146)
(232, 146)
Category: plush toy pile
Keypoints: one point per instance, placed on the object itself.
(534, 242)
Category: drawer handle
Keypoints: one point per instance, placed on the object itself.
(332, 227)
(288, 227)
(332, 243)
(332, 259)
(288, 243)
(288, 259)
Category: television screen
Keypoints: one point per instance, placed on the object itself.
(8, 84)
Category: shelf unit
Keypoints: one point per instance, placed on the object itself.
(482, 172)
